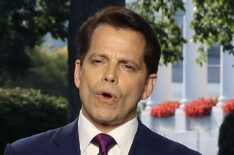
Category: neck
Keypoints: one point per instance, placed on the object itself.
(107, 127)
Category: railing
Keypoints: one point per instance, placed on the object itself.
(200, 134)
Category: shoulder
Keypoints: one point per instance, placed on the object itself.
(39, 143)
(163, 145)
(32, 145)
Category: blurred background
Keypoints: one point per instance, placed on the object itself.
(38, 48)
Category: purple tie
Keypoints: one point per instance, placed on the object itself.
(104, 142)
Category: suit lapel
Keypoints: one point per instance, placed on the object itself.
(67, 140)
(143, 142)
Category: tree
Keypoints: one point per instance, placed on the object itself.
(48, 71)
(160, 14)
(213, 22)
(23, 23)
(80, 10)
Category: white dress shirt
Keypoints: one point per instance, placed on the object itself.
(123, 136)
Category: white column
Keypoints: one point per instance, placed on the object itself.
(226, 87)
(194, 76)
(226, 76)
(162, 89)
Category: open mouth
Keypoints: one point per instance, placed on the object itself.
(107, 97)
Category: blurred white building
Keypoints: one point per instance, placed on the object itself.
(187, 81)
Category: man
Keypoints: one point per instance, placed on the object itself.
(119, 56)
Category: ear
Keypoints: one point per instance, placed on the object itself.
(77, 73)
(149, 86)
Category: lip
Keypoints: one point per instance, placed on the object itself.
(106, 99)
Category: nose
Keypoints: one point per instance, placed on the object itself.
(110, 74)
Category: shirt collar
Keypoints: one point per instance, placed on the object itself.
(123, 135)
(86, 131)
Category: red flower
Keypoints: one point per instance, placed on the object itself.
(199, 108)
(165, 109)
(228, 107)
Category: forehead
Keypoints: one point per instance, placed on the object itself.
(117, 41)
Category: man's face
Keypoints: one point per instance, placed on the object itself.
(112, 78)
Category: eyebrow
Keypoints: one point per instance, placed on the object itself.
(98, 55)
(121, 60)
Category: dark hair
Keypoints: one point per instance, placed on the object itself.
(121, 17)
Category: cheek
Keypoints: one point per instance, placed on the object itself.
(88, 77)
(86, 84)
(133, 88)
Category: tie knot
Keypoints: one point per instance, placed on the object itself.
(104, 142)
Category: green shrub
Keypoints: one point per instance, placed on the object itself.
(24, 112)
(226, 136)
(47, 72)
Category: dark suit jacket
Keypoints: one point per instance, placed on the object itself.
(65, 141)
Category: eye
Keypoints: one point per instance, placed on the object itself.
(129, 67)
(96, 61)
